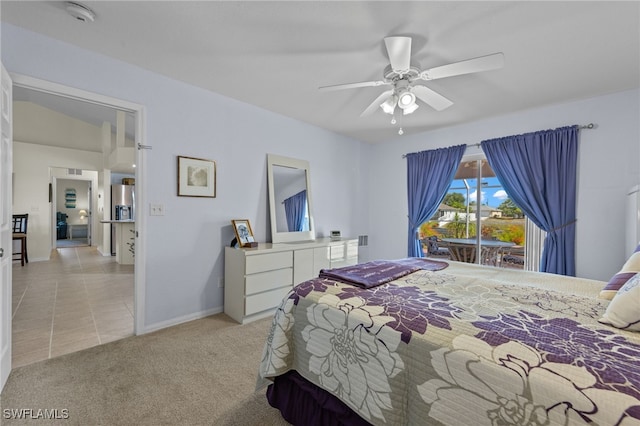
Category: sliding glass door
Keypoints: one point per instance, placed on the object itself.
(477, 222)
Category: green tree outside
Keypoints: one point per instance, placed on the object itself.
(458, 228)
(455, 200)
(509, 209)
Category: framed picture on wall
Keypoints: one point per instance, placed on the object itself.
(196, 177)
(70, 198)
(244, 233)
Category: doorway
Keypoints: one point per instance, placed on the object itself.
(95, 192)
(71, 207)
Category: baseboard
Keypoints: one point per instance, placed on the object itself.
(179, 320)
(103, 253)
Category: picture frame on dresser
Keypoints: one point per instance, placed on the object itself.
(196, 177)
(243, 232)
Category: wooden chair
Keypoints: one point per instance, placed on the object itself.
(20, 234)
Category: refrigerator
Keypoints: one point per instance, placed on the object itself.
(123, 206)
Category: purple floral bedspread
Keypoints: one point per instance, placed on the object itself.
(467, 345)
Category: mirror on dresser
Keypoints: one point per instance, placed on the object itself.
(289, 199)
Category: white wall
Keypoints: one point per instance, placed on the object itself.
(51, 126)
(608, 166)
(185, 256)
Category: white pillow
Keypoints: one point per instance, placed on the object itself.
(629, 269)
(624, 309)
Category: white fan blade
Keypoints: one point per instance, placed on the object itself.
(399, 50)
(483, 63)
(433, 99)
(353, 85)
(376, 104)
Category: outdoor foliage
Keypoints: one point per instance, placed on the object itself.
(455, 200)
(509, 209)
(458, 228)
(513, 233)
(511, 230)
(429, 229)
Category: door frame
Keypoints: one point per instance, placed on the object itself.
(91, 183)
(139, 113)
(6, 210)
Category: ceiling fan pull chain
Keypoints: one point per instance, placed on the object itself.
(400, 119)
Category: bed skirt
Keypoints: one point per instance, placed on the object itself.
(303, 403)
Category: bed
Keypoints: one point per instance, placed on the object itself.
(416, 341)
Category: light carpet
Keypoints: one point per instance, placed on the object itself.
(199, 373)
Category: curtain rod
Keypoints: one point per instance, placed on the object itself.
(477, 145)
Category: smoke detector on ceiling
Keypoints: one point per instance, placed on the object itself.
(80, 12)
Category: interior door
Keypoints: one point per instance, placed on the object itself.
(6, 242)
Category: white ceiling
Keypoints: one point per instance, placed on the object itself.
(275, 55)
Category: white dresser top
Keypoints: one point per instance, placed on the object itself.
(319, 242)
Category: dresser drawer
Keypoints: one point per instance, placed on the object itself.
(345, 254)
(269, 262)
(263, 281)
(263, 301)
(352, 249)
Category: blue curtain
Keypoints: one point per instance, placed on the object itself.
(429, 175)
(538, 171)
(295, 208)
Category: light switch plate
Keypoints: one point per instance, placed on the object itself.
(156, 209)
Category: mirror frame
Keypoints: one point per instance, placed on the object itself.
(286, 237)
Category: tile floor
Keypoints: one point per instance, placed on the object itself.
(76, 300)
(76, 242)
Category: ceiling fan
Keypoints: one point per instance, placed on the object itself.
(402, 76)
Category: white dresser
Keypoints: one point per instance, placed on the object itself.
(256, 279)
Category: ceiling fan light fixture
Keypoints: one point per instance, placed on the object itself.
(406, 101)
(389, 106)
(410, 109)
(402, 76)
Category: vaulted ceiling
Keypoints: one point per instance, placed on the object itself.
(275, 55)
